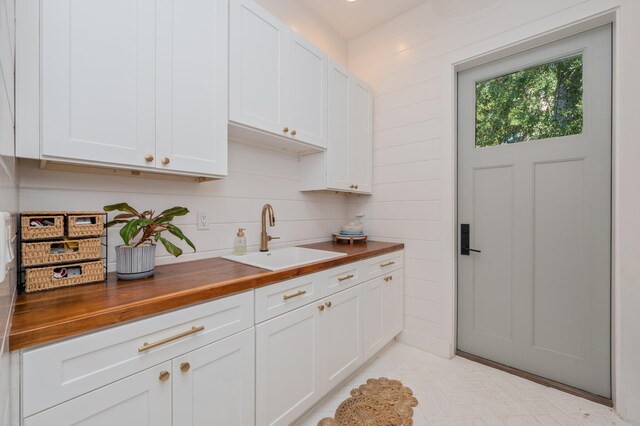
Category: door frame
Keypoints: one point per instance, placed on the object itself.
(548, 30)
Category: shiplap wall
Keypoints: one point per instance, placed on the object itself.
(256, 176)
(8, 187)
(408, 62)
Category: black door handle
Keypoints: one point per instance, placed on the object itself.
(465, 232)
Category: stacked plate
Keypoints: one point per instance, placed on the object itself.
(352, 230)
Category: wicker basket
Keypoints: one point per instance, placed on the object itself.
(38, 279)
(93, 229)
(39, 253)
(30, 232)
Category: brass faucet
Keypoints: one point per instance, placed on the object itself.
(264, 237)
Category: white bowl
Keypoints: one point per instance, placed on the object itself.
(352, 228)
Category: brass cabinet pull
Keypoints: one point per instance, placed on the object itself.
(184, 367)
(291, 296)
(321, 307)
(164, 376)
(389, 278)
(165, 160)
(293, 133)
(352, 186)
(146, 346)
(328, 304)
(148, 158)
(356, 186)
(345, 278)
(285, 130)
(382, 265)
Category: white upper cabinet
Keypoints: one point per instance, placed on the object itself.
(134, 84)
(347, 164)
(277, 80)
(192, 86)
(258, 72)
(307, 104)
(98, 91)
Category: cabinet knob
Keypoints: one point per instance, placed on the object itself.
(293, 133)
(165, 160)
(328, 304)
(285, 130)
(321, 308)
(164, 376)
(148, 158)
(352, 186)
(356, 186)
(184, 367)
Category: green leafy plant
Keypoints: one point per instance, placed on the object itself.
(149, 225)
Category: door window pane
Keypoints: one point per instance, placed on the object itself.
(540, 102)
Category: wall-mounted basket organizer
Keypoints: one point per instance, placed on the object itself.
(61, 249)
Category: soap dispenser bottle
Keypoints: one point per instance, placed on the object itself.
(240, 245)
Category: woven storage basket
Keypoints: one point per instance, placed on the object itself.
(42, 232)
(38, 279)
(89, 230)
(39, 253)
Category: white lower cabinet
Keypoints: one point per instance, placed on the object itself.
(288, 369)
(215, 384)
(383, 311)
(138, 400)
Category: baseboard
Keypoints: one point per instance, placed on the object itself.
(426, 343)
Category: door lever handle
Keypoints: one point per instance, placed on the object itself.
(465, 233)
(470, 249)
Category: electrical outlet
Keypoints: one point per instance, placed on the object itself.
(203, 220)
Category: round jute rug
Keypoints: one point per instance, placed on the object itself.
(379, 402)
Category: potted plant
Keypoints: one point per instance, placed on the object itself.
(136, 258)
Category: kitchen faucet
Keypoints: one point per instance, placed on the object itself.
(264, 237)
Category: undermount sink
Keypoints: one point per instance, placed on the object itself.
(284, 258)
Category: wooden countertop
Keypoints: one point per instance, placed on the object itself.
(44, 317)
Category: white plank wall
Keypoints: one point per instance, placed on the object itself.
(256, 176)
(8, 187)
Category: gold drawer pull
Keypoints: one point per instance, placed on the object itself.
(291, 296)
(345, 278)
(146, 346)
(382, 265)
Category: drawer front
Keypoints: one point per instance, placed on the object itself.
(60, 371)
(341, 278)
(379, 265)
(276, 299)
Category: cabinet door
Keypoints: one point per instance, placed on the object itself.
(338, 127)
(307, 85)
(360, 136)
(393, 312)
(288, 377)
(192, 69)
(215, 384)
(98, 80)
(374, 306)
(138, 400)
(342, 331)
(258, 73)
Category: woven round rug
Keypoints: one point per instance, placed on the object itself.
(379, 402)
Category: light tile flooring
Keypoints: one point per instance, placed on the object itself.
(462, 392)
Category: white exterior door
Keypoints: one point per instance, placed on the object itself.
(139, 400)
(215, 384)
(307, 86)
(342, 331)
(536, 202)
(258, 59)
(338, 127)
(360, 136)
(288, 366)
(192, 69)
(98, 64)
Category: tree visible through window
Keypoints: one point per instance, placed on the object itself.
(536, 103)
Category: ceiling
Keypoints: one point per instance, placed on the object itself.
(352, 19)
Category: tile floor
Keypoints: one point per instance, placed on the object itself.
(462, 392)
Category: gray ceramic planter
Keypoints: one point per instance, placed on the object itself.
(135, 262)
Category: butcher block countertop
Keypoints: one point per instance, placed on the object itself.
(47, 316)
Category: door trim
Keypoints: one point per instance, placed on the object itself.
(494, 48)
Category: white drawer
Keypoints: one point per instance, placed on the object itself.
(60, 371)
(341, 278)
(379, 265)
(276, 299)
